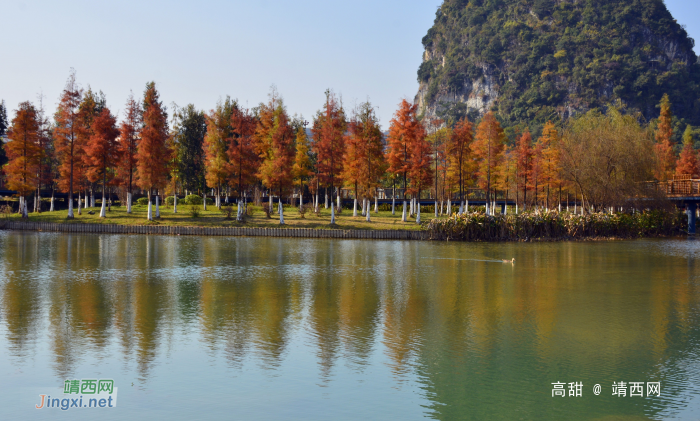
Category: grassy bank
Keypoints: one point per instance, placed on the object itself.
(552, 225)
(213, 217)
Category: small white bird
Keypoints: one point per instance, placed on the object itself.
(512, 261)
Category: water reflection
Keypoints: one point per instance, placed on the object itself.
(480, 338)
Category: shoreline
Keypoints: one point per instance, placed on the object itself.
(88, 228)
(348, 234)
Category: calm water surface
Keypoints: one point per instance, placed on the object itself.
(267, 328)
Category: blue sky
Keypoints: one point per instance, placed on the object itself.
(198, 52)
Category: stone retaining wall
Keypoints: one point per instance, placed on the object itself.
(215, 231)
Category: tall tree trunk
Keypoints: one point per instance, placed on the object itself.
(104, 199)
(150, 208)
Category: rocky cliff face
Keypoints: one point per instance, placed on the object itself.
(538, 60)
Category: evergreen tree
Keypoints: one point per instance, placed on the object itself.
(190, 129)
(3, 131)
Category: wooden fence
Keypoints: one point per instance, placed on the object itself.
(214, 231)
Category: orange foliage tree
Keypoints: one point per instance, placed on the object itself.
(23, 153)
(275, 142)
(404, 129)
(352, 160)
(102, 151)
(243, 159)
(523, 164)
(487, 150)
(688, 160)
(459, 152)
(368, 136)
(89, 108)
(548, 159)
(421, 170)
(219, 131)
(301, 171)
(664, 146)
(68, 148)
(128, 147)
(329, 142)
(153, 151)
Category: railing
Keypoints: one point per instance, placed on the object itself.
(678, 187)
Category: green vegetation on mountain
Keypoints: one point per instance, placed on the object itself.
(536, 60)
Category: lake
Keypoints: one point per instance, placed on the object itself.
(270, 328)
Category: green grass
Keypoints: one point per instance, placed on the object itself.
(213, 217)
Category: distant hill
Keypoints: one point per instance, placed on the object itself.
(534, 60)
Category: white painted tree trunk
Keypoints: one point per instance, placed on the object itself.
(338, 200)
(281, 211)
(403, 217)
(21, 205)
(326, 203)
(332, 213)
(270, 202)
(204, 201)
(158, 206)
(316, 203)
(516, 208)
(70, 209)
(25, 213)
(51, 209)
(369, 213)
(376, 204)
(150, 210)
(393, 205)
(410, 208)
(128, 202)
(418, 212)
(80, 204)
(354, 207)
(436, 208)
(103, 210)
(449, 207)
(174, 203)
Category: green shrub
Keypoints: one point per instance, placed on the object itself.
(193, 199)
(170, 200)
(143, 201)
